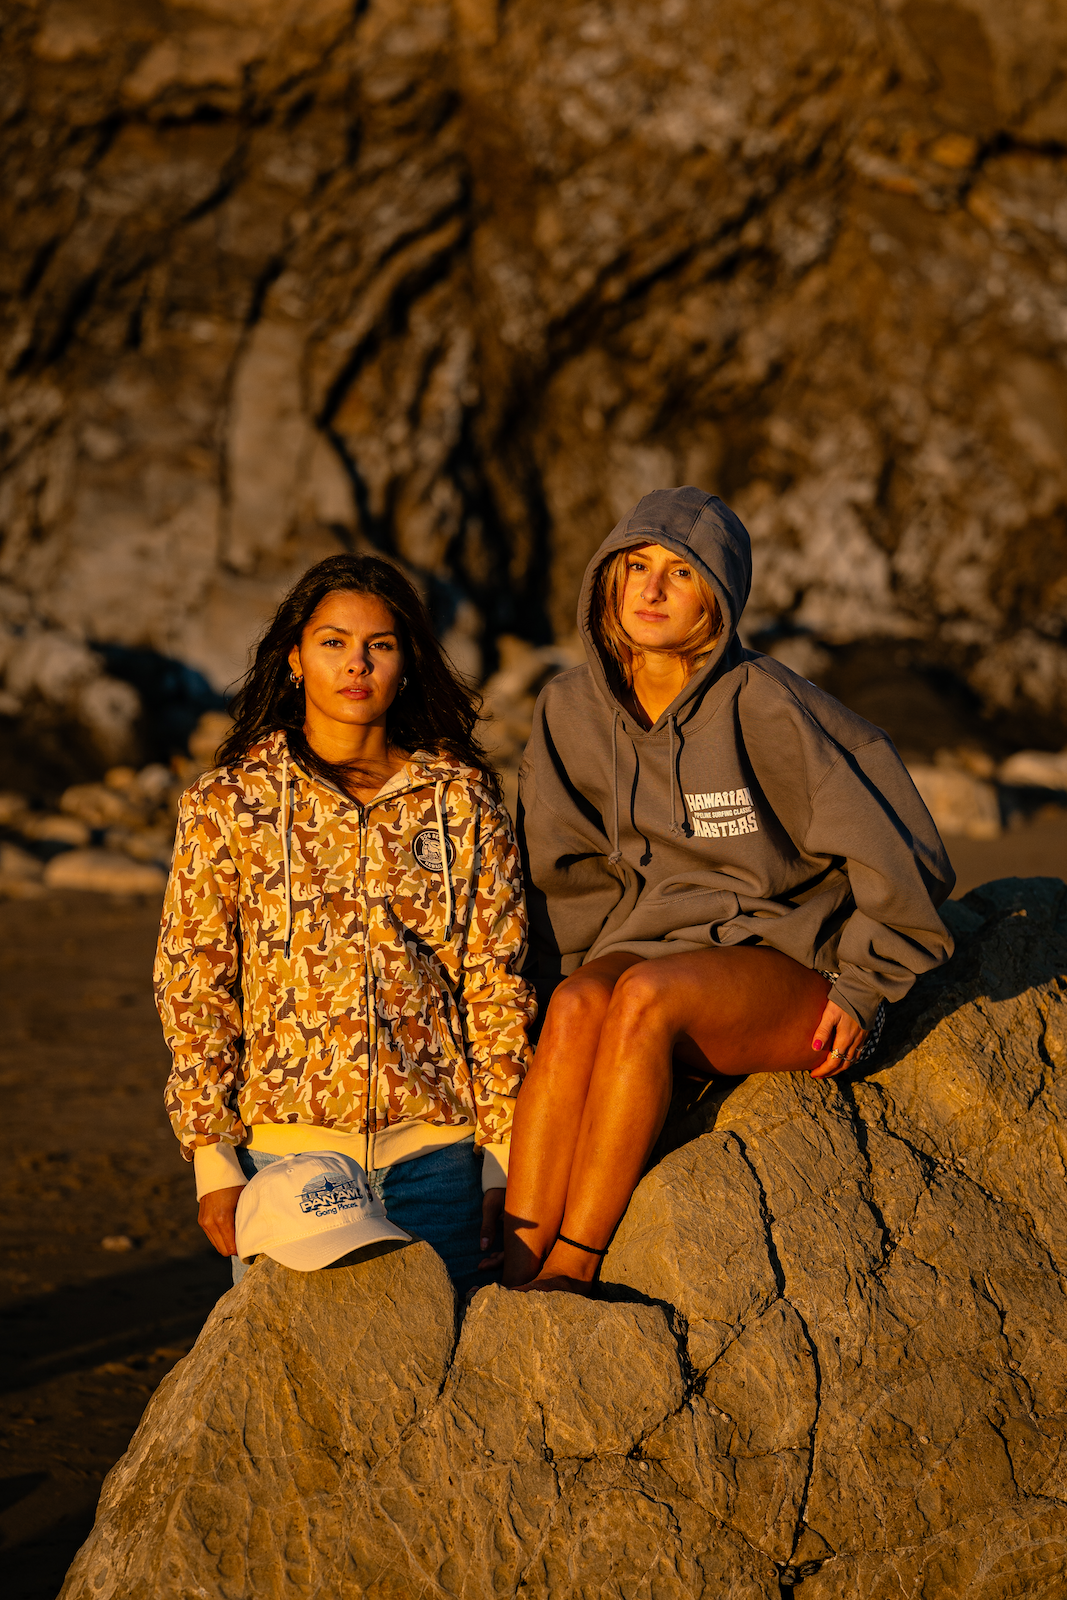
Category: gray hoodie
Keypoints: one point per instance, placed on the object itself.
(756, 810)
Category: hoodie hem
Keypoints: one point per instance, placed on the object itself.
(216, 1166)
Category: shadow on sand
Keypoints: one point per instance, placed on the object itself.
(77, 1367)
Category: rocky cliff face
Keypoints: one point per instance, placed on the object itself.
(829, 1359)
(460, 281)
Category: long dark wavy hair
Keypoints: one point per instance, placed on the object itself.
(434, 711)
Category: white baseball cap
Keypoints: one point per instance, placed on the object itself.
(306, 1210)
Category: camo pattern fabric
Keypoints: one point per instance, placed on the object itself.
(351, 987)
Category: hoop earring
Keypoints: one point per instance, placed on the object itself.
(294, 679)
(403, 683)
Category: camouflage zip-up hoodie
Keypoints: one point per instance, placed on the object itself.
(353, 967)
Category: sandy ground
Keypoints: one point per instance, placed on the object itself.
(87, 1332)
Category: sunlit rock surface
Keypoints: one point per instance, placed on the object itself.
(460, 282)
(830, 1355)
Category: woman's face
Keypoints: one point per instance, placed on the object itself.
(660, 604)
(350, 659)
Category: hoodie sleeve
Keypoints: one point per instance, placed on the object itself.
(197, 983)
(498, 1003)
(867, 810)
(573, 891)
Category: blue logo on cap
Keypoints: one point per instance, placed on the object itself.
(321, 1198)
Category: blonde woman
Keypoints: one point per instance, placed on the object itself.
(725, 868)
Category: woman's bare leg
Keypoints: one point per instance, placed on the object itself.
(732, 1011)
(548, 1115)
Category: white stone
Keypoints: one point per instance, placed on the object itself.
(97, 804)
(103, 872)
(958, 803)
(48, 828)
(1038, 769)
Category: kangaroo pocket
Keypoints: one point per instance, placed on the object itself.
(670, 909)
(795, 930)
(421, 1064)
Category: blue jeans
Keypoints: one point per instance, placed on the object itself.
(436, 1196)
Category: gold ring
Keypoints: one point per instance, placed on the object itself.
(839, 1053)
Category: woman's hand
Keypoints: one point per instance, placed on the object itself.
(492, 1211)
(216, 1214)
(841, 1036)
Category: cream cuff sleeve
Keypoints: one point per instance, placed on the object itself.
(495, 1166)
(215, 1166)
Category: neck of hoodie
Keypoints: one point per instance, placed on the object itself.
(657, 679)
(634, 715)
(725, 655)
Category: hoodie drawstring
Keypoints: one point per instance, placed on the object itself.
(286, 826)
(446, 870)
(674, 784)
(675, 781)
(616, 853)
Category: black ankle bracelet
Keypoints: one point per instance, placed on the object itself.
(588, 1248)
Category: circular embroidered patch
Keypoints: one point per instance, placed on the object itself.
(427, 849)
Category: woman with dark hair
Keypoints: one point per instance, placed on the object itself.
(338, 960)
(726, 869)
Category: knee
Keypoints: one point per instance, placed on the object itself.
(641, 997)
(578, 1002)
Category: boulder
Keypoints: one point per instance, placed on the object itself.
(100, 805)
(828, 1358)
(13, 807)
(958, 802)
(104, 872)
(45, 827)
(20, 873)
(1036, 769)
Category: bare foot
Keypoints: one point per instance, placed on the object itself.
(557, 1284)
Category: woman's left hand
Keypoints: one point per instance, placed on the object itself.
(492, 1211)
(841, 1036)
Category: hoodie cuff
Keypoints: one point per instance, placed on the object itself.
(495, 1166)
(860, 1004)
(215, 1166)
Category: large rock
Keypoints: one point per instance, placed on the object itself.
(323, 1439)
(237, 1481)
(462, 280)
(879, 1302)
(830, 1359)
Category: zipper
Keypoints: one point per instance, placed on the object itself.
(368, 974)
(372, 1053)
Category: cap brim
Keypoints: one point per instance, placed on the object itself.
(307, 1255)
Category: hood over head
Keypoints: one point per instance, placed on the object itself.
(703, 529)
